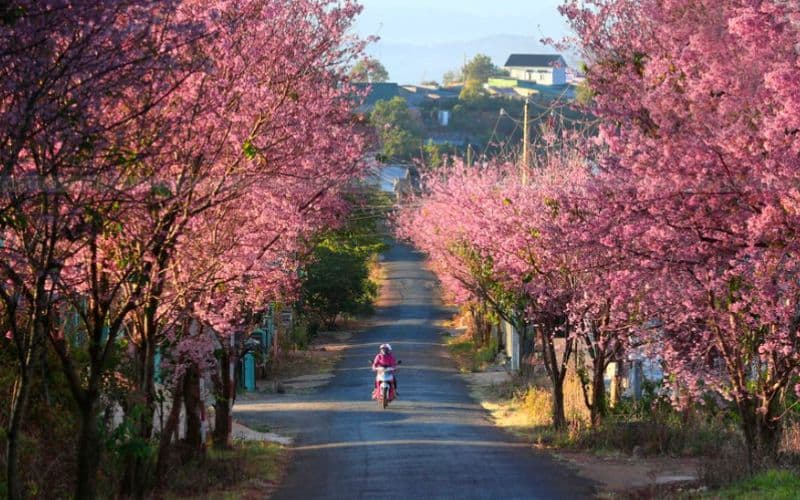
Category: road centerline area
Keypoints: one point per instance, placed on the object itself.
(433, 442)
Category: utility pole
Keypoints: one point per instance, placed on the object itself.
(526, 136)
(469, 155)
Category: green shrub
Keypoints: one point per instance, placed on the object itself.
(123, 444)
(661, 430)
(337, 275)
(461, 346)
(302, 334)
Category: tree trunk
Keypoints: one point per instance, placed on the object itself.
(88, 450)
(762, 433)
(616, 384)
(599, 403)
(134, 481)
(222, 424)
(148, 327)
(168, 430)
(556, 372)
(769, 438)
(192, 402)
(29, 353)
(223, 402)
(19, 402)
(559, 416)
(148, 387)
(475, 327)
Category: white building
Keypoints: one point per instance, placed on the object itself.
(543, 69)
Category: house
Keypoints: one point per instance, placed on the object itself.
(543, 69)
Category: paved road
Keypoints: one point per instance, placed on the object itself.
(433, 442)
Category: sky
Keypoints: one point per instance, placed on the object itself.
(424, 22)
(454, 29)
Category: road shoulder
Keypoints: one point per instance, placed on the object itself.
(617, 475)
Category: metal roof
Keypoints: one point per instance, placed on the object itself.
(535, 60)
(378, 92)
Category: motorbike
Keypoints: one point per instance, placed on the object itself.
(384, 388)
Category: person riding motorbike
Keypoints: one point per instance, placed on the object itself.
(385, 359)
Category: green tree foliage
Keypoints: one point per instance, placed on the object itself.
(472, 91)
(479, 68)
(400, 132)
(338, 283)
(369, 70)
(337, 278)
(451, 77)
(583, 94)
(433, 155)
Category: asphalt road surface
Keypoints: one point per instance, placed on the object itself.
(432, 442)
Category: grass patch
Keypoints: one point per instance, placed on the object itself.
(462, 349)
(772, 484)
(469, 356)
(249, 470)
(261, 428)
(524, 407)
(486, 354)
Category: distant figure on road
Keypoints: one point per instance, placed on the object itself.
(386, 359)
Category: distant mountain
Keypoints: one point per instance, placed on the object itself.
(408, 63)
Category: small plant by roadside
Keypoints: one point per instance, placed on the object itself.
(469, 356)
(309, 360)
(647, 427)
(486, 354)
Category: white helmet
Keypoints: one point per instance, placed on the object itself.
(385, 346)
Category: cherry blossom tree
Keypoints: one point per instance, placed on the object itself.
(61, 62)
(524, 240)
(254, 263)
(137, 122)
(699, 107)
(487, 235)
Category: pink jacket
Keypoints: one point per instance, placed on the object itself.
(384, 360)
